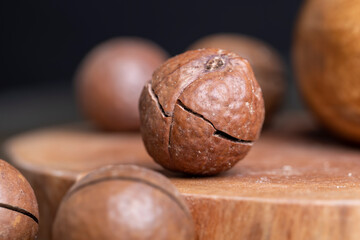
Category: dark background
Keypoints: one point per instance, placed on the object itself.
(42, 43)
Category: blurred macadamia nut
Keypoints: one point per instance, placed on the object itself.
(201, 112)
(326, 58)
(110, 79)
(268, 66)
(19, 212)
(123, 202)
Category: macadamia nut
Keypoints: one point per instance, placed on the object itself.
(19, 212)
(201, 112)
(123, 202)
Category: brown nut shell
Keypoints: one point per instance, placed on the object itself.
(269, 68)
(326, 61)
(110, 79)
(19, 212)
(123, 202)
(201, 111)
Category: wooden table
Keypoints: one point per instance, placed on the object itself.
(296, 183)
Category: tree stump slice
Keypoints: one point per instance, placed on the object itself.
(296, 183)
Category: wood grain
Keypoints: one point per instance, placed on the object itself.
(296, 183)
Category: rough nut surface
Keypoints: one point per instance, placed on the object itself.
(326, 60)
(266, 62)
(201, 112)
(18, 206)
(110, 79)
(123, 202)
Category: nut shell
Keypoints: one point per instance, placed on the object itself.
(269, 68)
(110, 79)
(326, 59)
(201, 111)
(18, 206)
(123, 202)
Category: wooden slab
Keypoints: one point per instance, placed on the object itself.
(295, 183)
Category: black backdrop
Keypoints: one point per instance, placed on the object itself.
(43, 41)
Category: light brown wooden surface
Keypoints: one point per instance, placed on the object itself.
(295, 183)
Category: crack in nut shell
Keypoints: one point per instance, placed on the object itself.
(216, 131)
(19, 210)
(229, 104)
(130, 173)
(195, 149)
(18, 206)
(16, 226)
(155, 128)
(221, 95)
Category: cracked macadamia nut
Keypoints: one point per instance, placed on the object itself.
(269, 68)
(123, 202)
(201, 112)
(110, 79)
(19, 212)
